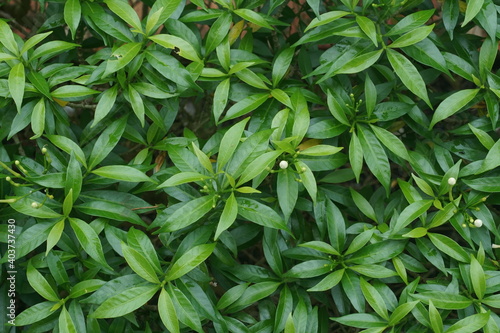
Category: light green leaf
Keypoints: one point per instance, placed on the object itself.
(375, 157)
(185, 49)
(492, 159)
(410, 213)
(105, 104)
(257, 166)
(228, 215)
(254, 17)
(125, 302)
(477, 278)
(391, 142)
(308, 179)
(374, 299)
(218, 31)
(122, 56)
(245, 106)
(203, 158)
(373, 271)
(125, 12)
(107, 141)
(472, 323)
(182, 178)
(408, 74)
(356, 156)
(137, 104)
(73, 91)
(66, 324)
(363, 205)
(189, 260)
(287, 189)
(325, 19)
(40, 284)
(54, 235)
(89, 240)
(122, 172)
(449, 247)
(473, 8)
(368, 28)
(220, 98)
(229, 142)
(139, 264)
(38, 119)
(330, 281)
(72, 15)
(167, 312)
(188, 214)
(7, 38)
(17, 82)
(452, 104)
(400, 312)
(281, 65)
(412, 37)
(320, 150)
(67, 145)
(52, 48)
(259, 213)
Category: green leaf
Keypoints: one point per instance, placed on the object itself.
(122, 172)
(167, 312)
(375, 157)
(400, 312)
(182, 178)
(363, 205)
(67, 145)
(40, 284)
(124, 55)
(73, 91)
(362, 320)
(357, 64)
(325, 19)
(472, 323)
(478, 278)
(370, 96)
(189, 260)
(301, 118)
(261, 214)
(66, 324)
(368, 28)
(38, 119)
(50, 49)
(23, 206)
(218, 31)
(492, 159)
(377, 252)
(330, 281)
(416, 233)
(449, 246)
(320, 150)
(203, 158)
(435, 318)
(220, 98)
(250, 78)
(137, 104)
(423, 185)
(139, 264)
(445, 214)
(17, 81)
(452, 104)
(410, 213)
(485, 184)
(68, 203)
(356, 155)
(308, 179)
(125, 12)
(54, 235)
(105, 104)
(374, 271)
(287, 190)
(72, 15)
(152, 20)
(74, 178)
(89, 240)
(125, 302)
(391, 142)
(408, 74)
(169, 7)
(228, 215)
(359, 241)
(473, 8)
(281, 64)
(254, 17)
(321, 246)
(7, 38)
(188, 214)
(84, 287)
(35, 313)
(412, 37)
(245, 106)
(483, 137)
(374, 298)
(110, 210)
(186, 50)
(107, 141)
(411, 22)
(289, 325)
(253, 294)
(40, 83)
(257, 166)
(231, 295)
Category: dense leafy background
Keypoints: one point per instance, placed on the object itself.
(251, 165)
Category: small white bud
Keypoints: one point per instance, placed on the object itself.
(35, 204)
(283, 164)
(495, 246)
(452, 181)
(478, 223)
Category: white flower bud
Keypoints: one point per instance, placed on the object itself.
(44, 150)
(283, 164)
(495, 246)
(478, 223)
(452, 181)
(35, 204)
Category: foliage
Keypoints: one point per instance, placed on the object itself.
(252, 166)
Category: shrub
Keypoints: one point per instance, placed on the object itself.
(251, 166)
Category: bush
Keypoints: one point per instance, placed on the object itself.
(251, 166)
